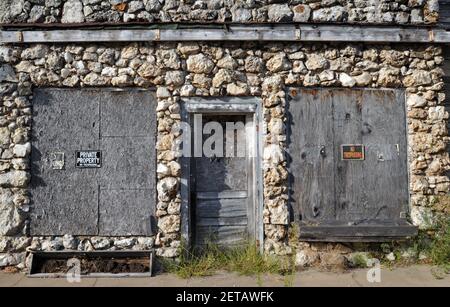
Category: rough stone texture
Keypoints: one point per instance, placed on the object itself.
(218, 69)
(352, 11)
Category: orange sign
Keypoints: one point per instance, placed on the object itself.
(352, 152)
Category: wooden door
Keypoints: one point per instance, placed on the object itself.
(348, 164)
(221, 187)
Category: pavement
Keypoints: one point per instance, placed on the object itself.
(412, 276)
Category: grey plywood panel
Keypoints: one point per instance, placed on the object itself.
(128, 113)
(126, 212)
(69, 120)
(311, 154)
(64, 201)
(64, 209)
(128, 163)
(385, 166)
(351, 198)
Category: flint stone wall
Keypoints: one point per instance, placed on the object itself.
(220, 69)
(237, 11)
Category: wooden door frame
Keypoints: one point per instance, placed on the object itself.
(251, 108)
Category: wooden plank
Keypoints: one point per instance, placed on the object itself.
(349, 175)
(385, 165)
(226, 208)
(368, 233)
(310, 147)
(221, 235)
(337, 33)
(259, 33)
(222, 194)
(222, 221)
(362, 33)
(218, 105)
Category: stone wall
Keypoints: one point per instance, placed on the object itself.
(238, 11)
(180, 70)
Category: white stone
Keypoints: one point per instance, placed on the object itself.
(163, 92)
(69, 242)
(302, 12)
(346, 80)
(390, 256)
(7, 73)
(72, 12)
(167, 252)
(187, 90)
(276, 126)
(109, 72)
(316, 61)
(305, 258)
(437, 113)
(101, 243)
(10, 219)
(279, 13)
(125, 243)
(237, 90)
(14, 179)
(199, 63)
(273, 155)
(169, 223)
(423, 217)
(11, 259)
(123, 80)
(22, 150)
(416, 101)
(363, 79)
(163, 170)
(227, 62)
(174, 78)
(278, 63)
(167, 188)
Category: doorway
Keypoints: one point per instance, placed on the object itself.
(221, 190)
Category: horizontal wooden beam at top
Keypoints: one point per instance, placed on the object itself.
(306, 33)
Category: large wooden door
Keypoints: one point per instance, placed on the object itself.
(222, 201)
(348, 164)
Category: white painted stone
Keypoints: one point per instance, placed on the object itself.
(22, 150)
(346, 80)
(72, 12)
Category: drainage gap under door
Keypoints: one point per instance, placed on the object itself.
(92, 264)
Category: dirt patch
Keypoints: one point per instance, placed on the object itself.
(95, 265)
(10, 270)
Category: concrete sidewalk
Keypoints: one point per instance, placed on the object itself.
(413, 276)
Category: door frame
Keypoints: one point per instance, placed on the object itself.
(251, 108)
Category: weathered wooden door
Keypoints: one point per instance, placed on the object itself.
(348, 164)
(221, 184)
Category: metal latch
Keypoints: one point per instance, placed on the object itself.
(57, 160)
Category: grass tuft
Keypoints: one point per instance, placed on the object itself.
(244, 260)
(440, 246)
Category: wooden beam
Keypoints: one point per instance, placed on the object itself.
(306, 33)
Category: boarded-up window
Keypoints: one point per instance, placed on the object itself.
(112, 190)
(348, 164)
